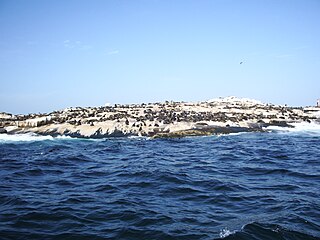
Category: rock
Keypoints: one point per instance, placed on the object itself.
(280, 124)
(170, 119)
(209, 130)
(182, 133)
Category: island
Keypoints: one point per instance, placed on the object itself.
(160, 120)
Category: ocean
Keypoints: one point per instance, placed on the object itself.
(237, 186)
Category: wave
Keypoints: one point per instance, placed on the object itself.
(260, 231)
(27, 137)
(138, 137)
(235, 134)
(33, 137)
(307, 128)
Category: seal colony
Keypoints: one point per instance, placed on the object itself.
(159, 120)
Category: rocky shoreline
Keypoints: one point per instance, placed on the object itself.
(160, 120)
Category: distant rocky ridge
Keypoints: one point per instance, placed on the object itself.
(168, 119)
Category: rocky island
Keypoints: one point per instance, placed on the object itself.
(160, 120)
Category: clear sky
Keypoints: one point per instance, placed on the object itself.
(63, 53)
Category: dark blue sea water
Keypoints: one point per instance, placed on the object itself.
(246, 186)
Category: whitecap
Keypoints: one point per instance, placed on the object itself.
(303, 127)
(63, 137)
(138, 137)
(26, 137)
(31, 137)
(225, 232)
(236, 133)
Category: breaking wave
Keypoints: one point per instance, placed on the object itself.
(303, 128)
(28, 137)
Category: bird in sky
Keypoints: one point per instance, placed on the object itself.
(241, 62)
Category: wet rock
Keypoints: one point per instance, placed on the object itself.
(182, 133)
(280, 124)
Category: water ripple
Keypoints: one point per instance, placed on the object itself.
(248, 186)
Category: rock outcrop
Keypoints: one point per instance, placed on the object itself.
(168, 119)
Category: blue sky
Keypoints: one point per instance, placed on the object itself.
(57, 54)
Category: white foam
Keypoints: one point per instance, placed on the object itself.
(236, 134)
(30, 137)
(63, 137)
(27, 137)
(225, 233)
(309, 128)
